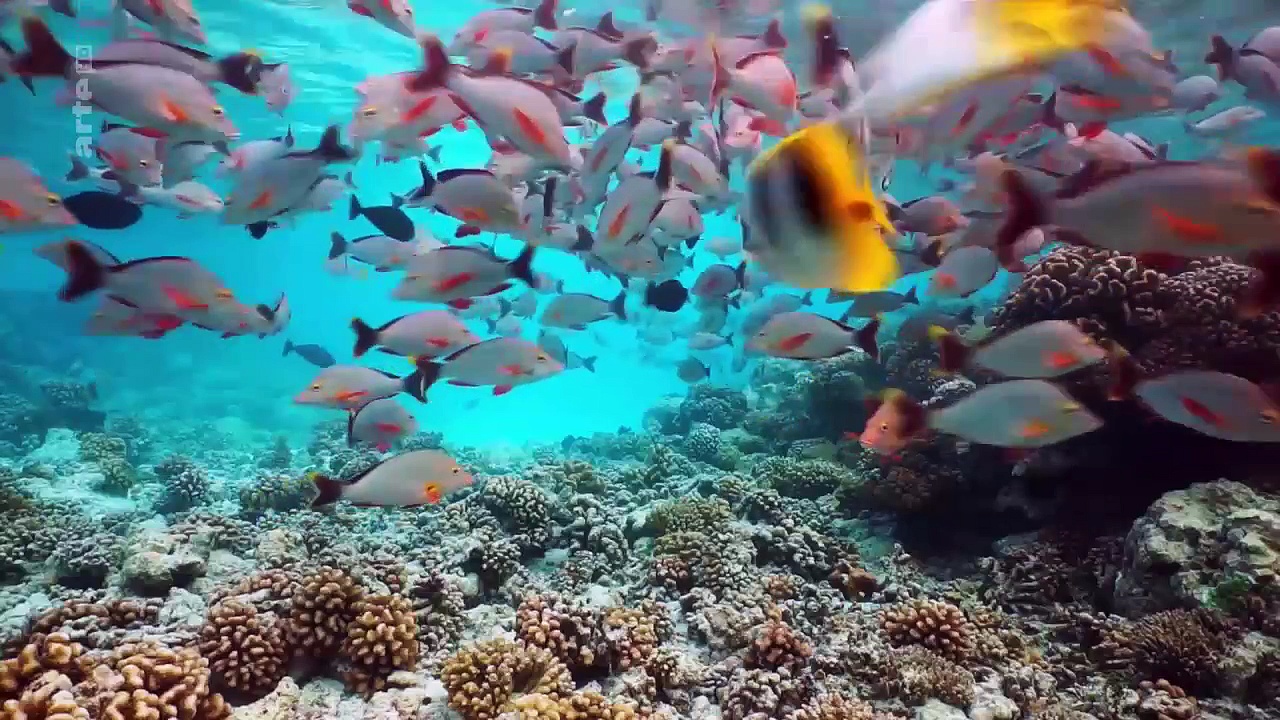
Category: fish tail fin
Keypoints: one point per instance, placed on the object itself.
(544, 16)
(63, 7)
(241, 71)
(1221, 54)
(433, 153)
(78, 171)
(84, 273)
(692, 241)
(435, 66)
(1025, 211)
(618, 306)
(953, 354)
(589, 363)
(354, 209)
(865, 338)
(331, 147)
(417, 382)
(328, 490)
(593, 109)
(564, 59)
(912, 297)
(259, 229)
(932, 254)
(826, 45)
(337, 245)
(1123, 370)
(1263, 291)
(740, 274)
(635, 110)
(522, 267)
(44, 56)
(1049, 114)
(288, 348)
(366, 337)
(490, 325)
(428, 183)
(638, 51)
(662, 178)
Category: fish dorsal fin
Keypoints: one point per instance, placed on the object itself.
(385, 374)
(607, 27)
(452, 173)
(391, 322)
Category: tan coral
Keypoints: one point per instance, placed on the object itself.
(381, 639)
(632, 636)
(246, 651)
(485, 679)
(146, 681)
(322, 608)
(37, 683)
(937, 625)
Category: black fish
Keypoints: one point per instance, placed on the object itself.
(313, 354)
(258, 229)
(667, 296)
(102, 210)
(389, 219)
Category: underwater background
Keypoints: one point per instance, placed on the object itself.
(636, 545)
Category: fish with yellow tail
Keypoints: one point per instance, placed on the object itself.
(813, 220)
(948, 45)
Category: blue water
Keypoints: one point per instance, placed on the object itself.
(244, 382)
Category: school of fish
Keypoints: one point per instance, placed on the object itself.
(1005, 106)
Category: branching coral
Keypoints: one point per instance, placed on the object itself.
(570, 632)
(484, 680)
(246, 651)
(777, 646)
(523, 506)
(381, 638)
(438, 605)
(185, 484)
(322, 608)
(281, 492)
(1181, 646)
(936, 625)
(146, 681)
(914, 674)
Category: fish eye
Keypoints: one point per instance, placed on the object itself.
(218, 111)
(884, 427)
(52, 200)
(455, 471)
(144, 163)
(315, 387)
(542, 358)
(368, 111)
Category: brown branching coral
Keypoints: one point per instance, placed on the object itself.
(382, 638)
(578, 706)
(246, 651)
(1180, 646)
(700, 515)
(936, 625)
(914, 674)
(484, 680)
(776, 646)
(835, 706)
(572, 633)
(632, 635)
(146, 681)
(322, 609)
(36, 683)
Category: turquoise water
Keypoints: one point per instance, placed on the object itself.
(245, 383)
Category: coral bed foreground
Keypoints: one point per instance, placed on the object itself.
(738, 558)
